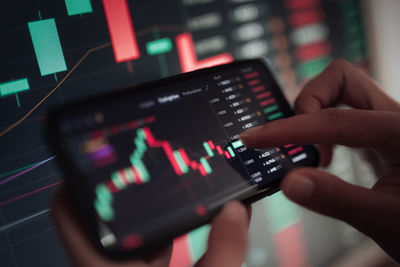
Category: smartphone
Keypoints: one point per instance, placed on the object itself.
(147, 163)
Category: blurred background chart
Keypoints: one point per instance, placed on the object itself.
(56, 51)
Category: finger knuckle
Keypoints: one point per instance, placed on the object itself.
(339, 65)
(333, 114)
(332, 118)
(338, 70)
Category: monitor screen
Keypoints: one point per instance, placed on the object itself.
(55, 52)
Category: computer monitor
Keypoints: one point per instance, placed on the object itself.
(57, 51)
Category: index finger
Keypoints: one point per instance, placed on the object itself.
(355, 128)
(342, 83)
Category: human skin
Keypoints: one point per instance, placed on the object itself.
(373, 123)
(227, 241)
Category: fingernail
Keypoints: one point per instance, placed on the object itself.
(233, 208)
(250, 132)
(234, 211)
(299, 188)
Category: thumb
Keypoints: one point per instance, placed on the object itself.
(372, 211)
(329, 195)
(227, 242)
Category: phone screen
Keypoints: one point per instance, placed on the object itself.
(164, 155)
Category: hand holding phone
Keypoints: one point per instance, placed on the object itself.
(150, 162)
(227, 243)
